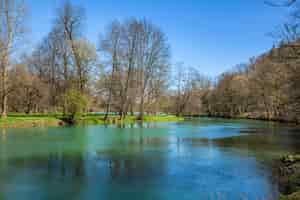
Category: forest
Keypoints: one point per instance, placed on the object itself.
(129, 71)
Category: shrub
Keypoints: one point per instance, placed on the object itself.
(74, 103)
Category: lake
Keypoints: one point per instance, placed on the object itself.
(197, 159)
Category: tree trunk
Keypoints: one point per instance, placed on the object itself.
(66, 76)
(111, 85)
(4, 87)
(141, 114)
(125, 93)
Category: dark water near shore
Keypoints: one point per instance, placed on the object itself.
(198, 159)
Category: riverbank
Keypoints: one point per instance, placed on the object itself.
(288, 173)
(30, 121)
(49, 120)
(248, 117)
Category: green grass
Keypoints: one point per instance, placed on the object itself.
(20, 120)
(99, 119)
(163, 118)
(29, 121)
(294, 196)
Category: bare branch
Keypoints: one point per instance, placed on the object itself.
(286, 3)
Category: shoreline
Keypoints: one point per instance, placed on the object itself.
(20, 120)
(282, 121)
(56, 120)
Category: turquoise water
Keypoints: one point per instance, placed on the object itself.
(197, 159)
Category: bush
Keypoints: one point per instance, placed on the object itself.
(74, 103)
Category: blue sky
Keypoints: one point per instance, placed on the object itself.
(211, 35)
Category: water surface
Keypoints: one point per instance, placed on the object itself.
(197, 159)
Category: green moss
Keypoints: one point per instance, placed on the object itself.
(289, 177)
(293, 196)
(290, 159)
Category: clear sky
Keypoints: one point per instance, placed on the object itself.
(213, 35)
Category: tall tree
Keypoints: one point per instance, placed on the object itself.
(138, 58)
(152, 62)
(110, 46)
(280, 3)
(12, 16)
(71, 19)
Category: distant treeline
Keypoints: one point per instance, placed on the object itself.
(267, 88)
(129, 72)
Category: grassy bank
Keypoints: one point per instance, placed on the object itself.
(17, 120)
(30, 121)
(99, 119)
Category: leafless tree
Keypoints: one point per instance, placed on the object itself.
(110, 46)
(153, 61)
(137, 56)
(29, 94)
(189, 88)
(12, 16)
(281, 3)
(70, 19)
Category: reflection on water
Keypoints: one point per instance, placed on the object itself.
(199, 159)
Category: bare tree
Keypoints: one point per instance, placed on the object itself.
(131, 36)
(281, 3)
(110, 46)
(12, 16)
(153, 61)
(190, 85)
(49, 62)
(29, 92)
(86, 58)
(138, 60)
(71, 20)
(64, 59)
